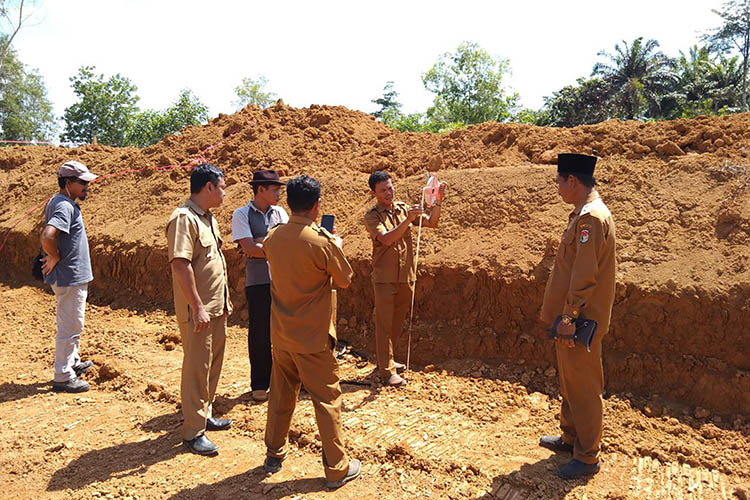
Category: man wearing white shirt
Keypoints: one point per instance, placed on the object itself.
(250, 224)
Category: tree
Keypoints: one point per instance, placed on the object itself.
(589, 101)
(25, 112)
(388, 102)
(252, 91)
(105, 108)
(726, 75)
(468, 87)
(11, 19)
(638, 77)
(149, 127)
(734, 34)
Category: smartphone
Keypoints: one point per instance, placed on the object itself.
(327, 222)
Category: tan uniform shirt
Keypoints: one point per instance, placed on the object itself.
(582, 282)
(395, 263)
(306, 264)
(193, 234)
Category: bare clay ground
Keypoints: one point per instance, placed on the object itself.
(443, 436)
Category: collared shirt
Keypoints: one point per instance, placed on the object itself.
(306, 264)
(250, 222)
(582, 282)
(394, 263)
(193, 234)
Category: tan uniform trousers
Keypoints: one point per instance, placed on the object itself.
(392, 302)
(319, 372)
(203, 356)
(581, 387)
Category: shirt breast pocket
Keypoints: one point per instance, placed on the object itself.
(206, 241)
(567, 244)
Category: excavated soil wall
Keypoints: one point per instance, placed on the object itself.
(679, 192)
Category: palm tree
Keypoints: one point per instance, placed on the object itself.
(726, 76)
(637, 75)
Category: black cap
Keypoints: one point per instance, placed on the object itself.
(571, 163)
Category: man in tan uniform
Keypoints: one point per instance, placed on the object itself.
(581, 285)
(393, 268)
(306, 264)
(201, 298)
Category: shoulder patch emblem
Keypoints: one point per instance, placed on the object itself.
(584, 236)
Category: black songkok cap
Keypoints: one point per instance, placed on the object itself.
(570, 163)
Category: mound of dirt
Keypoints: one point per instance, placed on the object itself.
(679, 192)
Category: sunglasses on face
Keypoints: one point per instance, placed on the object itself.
(81, 182)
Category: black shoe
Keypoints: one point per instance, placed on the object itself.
(575, 469)
(556, 444)
(272, 465)
(355, 466)
(201, 445)
(217, 424)
(73, 385)
(82, 367)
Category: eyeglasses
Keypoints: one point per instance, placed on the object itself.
(81, 182)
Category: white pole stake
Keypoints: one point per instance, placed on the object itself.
(414, 290)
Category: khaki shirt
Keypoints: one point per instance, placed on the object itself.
(193, 234)
(395, 263)
(582, 282)
(306, 265)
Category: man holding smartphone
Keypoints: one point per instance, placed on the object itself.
(394, 270)
(250, 225)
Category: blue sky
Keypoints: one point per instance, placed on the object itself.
(336, 52)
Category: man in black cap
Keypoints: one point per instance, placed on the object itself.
(581, 285)
(250, 224)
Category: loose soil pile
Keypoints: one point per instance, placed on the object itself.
(679, 192)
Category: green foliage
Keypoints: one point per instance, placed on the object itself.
(25, 112)
(531, 116)
(252, 91)
(468, 88)
(733, 34)
(149, 127)
(105, 108)
(705, 85)
(589, 101)
(638, 77)
(388, 102)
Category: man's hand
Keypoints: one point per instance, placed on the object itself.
(566, 329)
(414, 212)
(441, 191)
(48, 263)
(200, 318)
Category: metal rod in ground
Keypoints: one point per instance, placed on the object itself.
(414, 290)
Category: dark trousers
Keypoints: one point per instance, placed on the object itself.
(259, 335)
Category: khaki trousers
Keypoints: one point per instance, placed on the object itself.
(581, 387)
(203, 356)
(392, 302)
(319, 372)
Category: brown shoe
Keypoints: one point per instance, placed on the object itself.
(394, 380)
(260, 395)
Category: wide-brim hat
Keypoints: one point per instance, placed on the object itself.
(570, 163)
(266, 177)
(76, 169)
